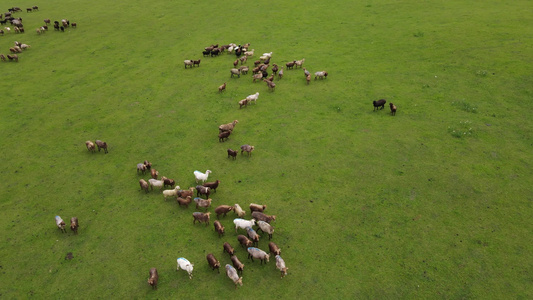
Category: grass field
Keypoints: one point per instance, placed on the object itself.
(435, 202)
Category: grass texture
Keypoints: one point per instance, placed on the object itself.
(435, 202)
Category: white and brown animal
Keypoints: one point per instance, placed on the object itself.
(238, 210)
(228, 127)
(321, 75)
(201, 217)
(280, 264)
(222, 88)
(144, 185)
(247, 148)
(257, 207)
(203, 202)
(393, 109)
(171, 193)
(101, 145)
(242, 223)
(60, 224)
(154, 277)
(74, 225)
(90, 146)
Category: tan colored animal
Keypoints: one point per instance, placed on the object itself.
(228, 127)
(392, 109)
(60, 224)
(74, 225)
(243, 102)
(223, 209)
(154, 174)
(238, 210)
(184, 201)
(186, 193)
(280, 264)
(257, 207)
(154, 277)
(90, 146)
(144, 185)
(222, 88)
(201, 217)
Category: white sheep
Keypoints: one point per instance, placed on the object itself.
(253, 97)
(24, 46)
(321, 74)
(188, 63)
(60, 224)
(238, 210)
(233, 275)
(265, 56)
(201, 176)
(156, 183)
(241, 223)
(280, 264)
(249, 53)
(185, 265)
(171, 193)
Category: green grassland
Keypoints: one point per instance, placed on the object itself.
(435, 202)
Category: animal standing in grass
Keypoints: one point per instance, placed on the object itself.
(233, 275)
(101, 145)
(154, 277)
(257, 253)
(90, 146)
(379, 103)
(201, 176)
(280, 264)
(60, 224)
(213, 262)
(74, 224)
(247, 148)
(393, 109)
(185, 265)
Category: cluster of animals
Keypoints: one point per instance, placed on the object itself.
(18, 27)
(260, 70)
(73, 224)
(203, 191)
(380, 104)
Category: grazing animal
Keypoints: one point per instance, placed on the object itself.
(306, 73)
(235, 72)
(233, 275)
(168, 182)
(212, 185)
(274, 249)
(266, 228)
(74, 25)
(379, 103)
(244, 241)
(259, 216)
(201, 217)
(154, 277)
(13, 57)
(184, 201)
(156, 183)
(247, 148)
(254, 237)
(74, 224)
(2, 57)
(141, 167)
(60, 224)
(280, 73)
(227, 248)
(90, 146)
(290, 64)
(206, 53)
(186, 193)
(271, 85)
(236, 63)
(241, 223)
(243, 102)
(280, 264)
(203, 203)
(144, 185)
(219, 228)
(171, 193)
(1, 31)
(321, 75)
(46, 21)
(257, 76)
(194, 62)
(244, 69)
(257, 207)
(237, 263)
(223, 135)
(243, 59)
(227, 127)
(308, 78)
(223, 209)
(28, 10)
(299, 63)
(24, 46)
(188, 63)
(147, 164)
(257, 253)
(249, 53)
(222, 88)
(185, 265)
(101, 145)
(392, 109)
(154, 174)
(201, 176)
(238, 210)
(253, 97)
(213, 262)
(232, 153)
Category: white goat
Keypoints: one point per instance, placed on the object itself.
(280, 264)
(238, 210)
(201, 176)
(253, 97)
(60, 224)
(241, 223)
(156, 183)
(185, 265)
(171, 193)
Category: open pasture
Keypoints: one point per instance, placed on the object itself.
(434, 202)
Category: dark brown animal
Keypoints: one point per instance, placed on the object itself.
(275, 68)
(101, 145)
(186, 193)
(213, 262)
(392, 109)
(227, 248)
(35, 7)
(223, 209)
(244, 241)
(222, 88)
(291, 64)
(223, 135)
(237, 264)
(144, 185)
(154, 277)
(147, 164)
(168, 182)
(154, 174)
(259, 216)
(3, 58)
(257, 207)
(184, 201)
(274, 249)
(379, 103)
(74, 25)
(203, 191)
(232, 153)
(194, 62)
(219, 228)
(46, 21)
(74, 224)
(201, 217)
(212, 185)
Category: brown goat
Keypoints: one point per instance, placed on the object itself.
(201, 217)
(184, 201)
(13, 57)
(144, 185)
(101, 145)
(232, 153)
(212, 185)
(247, 148)
(237, 264)
(392, 109)
(223, 209)
(379, 103)
(244, 241)
(227, 248)
(74, 224)
(224, 135)
(271, 85)
(168, 182)
(274, 249)
(154, 277)
(219, 228)
(290, 64)
(222, 88)
(243, 102)
(257, 207)
(186, 193)
(213, 262)
(194, 62)
(259, 216)
(154, 174)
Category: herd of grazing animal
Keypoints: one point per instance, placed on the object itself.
(18, 28)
